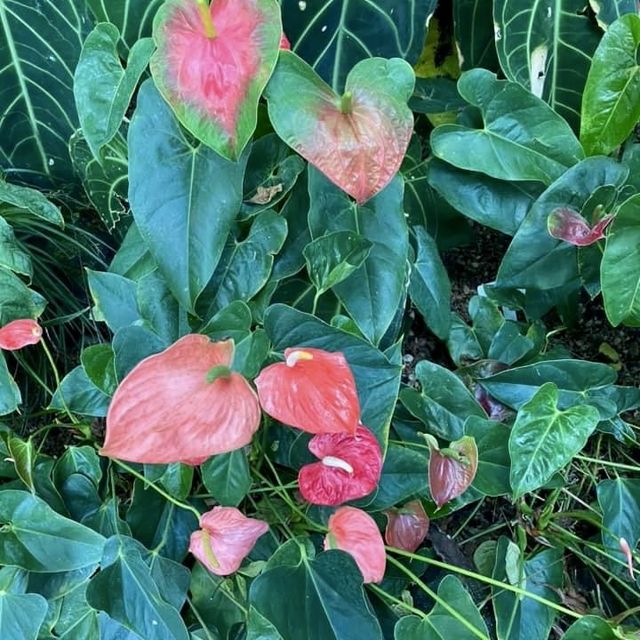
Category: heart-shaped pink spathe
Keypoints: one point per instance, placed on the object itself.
(181, 405)
(212, 64)
(19, 334)
(357, 140)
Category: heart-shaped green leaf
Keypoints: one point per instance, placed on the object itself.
(358, 140)
(212, 64)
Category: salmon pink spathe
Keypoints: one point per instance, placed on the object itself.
(225, 538)
(356, 532)
(182, 405)
(349, 467)
(313, 390)
(19, 333)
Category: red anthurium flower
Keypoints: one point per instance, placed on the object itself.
(568, 225)
(350, 467)
(182, 405)
(225, 539)
(356, 532)
(407, 527)
(452, 470)
(212, 63)
(312, 390)
(19, 334)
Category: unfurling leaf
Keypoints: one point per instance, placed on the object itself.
(212, 64)
(356, 532)
(350, 467)
(452, 470)
(407, 526)
(180, 406)
(568, 225)
(313, 390)
(358, 140)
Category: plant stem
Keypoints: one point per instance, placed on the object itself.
(56, 377)
(205, 15)
(605, 463)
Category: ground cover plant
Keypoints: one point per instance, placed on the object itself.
(318, 319)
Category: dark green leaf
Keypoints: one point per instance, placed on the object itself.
(31, 201)
(12, 256)
(227, 477)
(78, 394)
(114, 299)
(21, 616)
(133, 344)
(98, 362)
(436, 95)
(17, 300)
(590, 627)
(23, 454)
(132, 260)
(474, 34)
(492, 440)
(175, 478)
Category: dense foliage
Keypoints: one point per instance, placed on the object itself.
(222, 231)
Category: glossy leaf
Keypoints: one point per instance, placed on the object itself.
(611, 100)
(334, 257)
(21, 615)
(591, 627)
(313, 390)
(17, 301)
(30, 201)
(23, 454)
(568, 225)
(620, 268)
(18, 334)
(114, 299)
(607, 12)
(79, 394)
(544, 439)
(429, 288)
(474, 35)
(12, 256)
(358, 140)
(492, 440)
(452, 470)
(373, 292)
(213, 90)
(536, 259)
(319, 606)
(38, 53)
(225, 539)
(227, 477)
(349, 467)
(34, 527)
(521, 138)
(407, 526)
(184, 230)
(102, 88)
(176, 411)
(547, 48)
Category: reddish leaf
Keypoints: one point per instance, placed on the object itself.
(407, 527)
(452, 470)
(19, 334)
(494, 409)
(357, 140)
(313, 390)
(212, 64)
(568, 225)
(182, 405)
(350, 467)
(225, 539)
(356, 532)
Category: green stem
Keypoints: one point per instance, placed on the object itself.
(56, 377)
(346, 102)
(205, 15)
(605, 463)
(155, 487)
(387, 596)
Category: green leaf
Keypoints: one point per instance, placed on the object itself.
(493, 203)
(436, 95)
(234, 321)
(17, 300)
(31, 529)
(619, 500)
(536, 259)
(474, 35)
(333, 35)
(12, 256)
(21, 616)
(377, 379)
(133, 344)
(38, 52)
(547, 48)
(227, 477)
(80, 395)
(102, 88)
(443, 403)
(620, 268)
(114, 299)
(611, 100)
(441, 623)
(492, 440)
(23, 454)
(590, 627)
(132, 260)
(324, 596)
(608, 10)
(259, 628)
(522, 137)
(98, 362)
(520, 617)
(544, 439)
(185, 229)
(175, 478)
(575, 379)
(429, 287)
(31, 201)
(127, 590)
(372, 293)
(334, 257)
(10, 397)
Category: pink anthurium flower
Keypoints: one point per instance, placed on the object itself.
(19, 334)
(212, 64)
(349, 467)
(356, 532)
(626, 550)
(285, 45)
(312, 390)
(225, 539)
(451, 470)
(407, 527)
(568, 225)
(182, 405)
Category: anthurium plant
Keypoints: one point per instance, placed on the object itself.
(245, 394)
